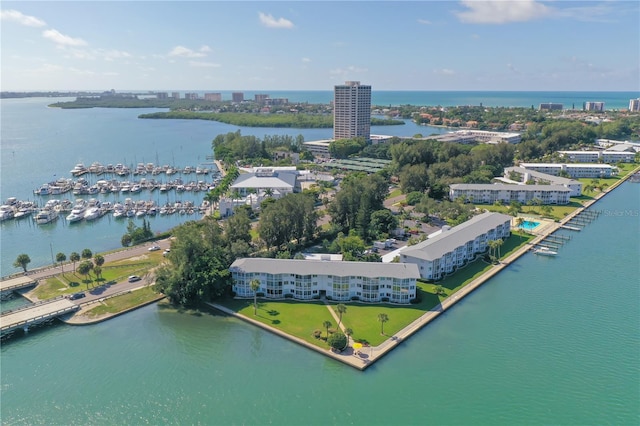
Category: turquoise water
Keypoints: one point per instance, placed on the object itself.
(528, 225)
(547, 341)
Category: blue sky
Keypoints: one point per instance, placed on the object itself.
(267, 45)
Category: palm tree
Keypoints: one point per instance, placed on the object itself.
(492, 247)
(98, 271)
(382, 317)
(326, 325)
(74, 257)
(60, 258)
(98, 259)
(22, 261)
(499, 243)
(340, 309)
(85, 268)
(255, 285)
(87, 254)
(347, 332)
(519, 222)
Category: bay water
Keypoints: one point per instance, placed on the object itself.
(548, 340)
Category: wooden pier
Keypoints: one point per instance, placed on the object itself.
(37, 313)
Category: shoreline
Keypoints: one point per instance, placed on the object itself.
(360, 360)
(364, 361)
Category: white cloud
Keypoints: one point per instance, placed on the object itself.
(513, 69)
(501, 12)
(62, 40)
(200, 64)
(348, 70)
(110, 55)
(444, 71)
(26, 20)
(424, 22)
(185, 52)
(306, 60)
(205, 49)
(270, 22)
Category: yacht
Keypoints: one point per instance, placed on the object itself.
(6, 212)
(92, 213)
(45, 216)
(78, 211)
(79, 170)
(544, 251)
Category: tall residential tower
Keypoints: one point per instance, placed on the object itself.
(351, 111)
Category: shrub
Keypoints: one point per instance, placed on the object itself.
(384, 299)
(355, 298)
(288, 296)
(337, 341)
(317, 333)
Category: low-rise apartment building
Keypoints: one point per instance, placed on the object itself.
(607, 156)
(524, 176)
(336, 280)
(577, 170)
(454, 247)
(487, 193)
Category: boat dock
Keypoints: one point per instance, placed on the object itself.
(37, 313)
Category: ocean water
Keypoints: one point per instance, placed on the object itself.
(612, 100)
(40, 144)
(547, 341)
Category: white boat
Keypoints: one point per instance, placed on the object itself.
(78, 211)
(6, 212)
(545, 251)
(45, 216)
(92, 213)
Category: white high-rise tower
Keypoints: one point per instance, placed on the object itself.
(351, 111)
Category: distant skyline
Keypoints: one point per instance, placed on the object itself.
(522, 45)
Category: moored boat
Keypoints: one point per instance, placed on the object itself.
(46, 215)
(544, 251)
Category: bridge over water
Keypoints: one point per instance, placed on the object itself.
(9, 286)
(30, 315)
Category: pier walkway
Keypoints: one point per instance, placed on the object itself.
(35, 314)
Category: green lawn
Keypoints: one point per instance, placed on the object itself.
(71, 282)
(123, 302)
(300, 319)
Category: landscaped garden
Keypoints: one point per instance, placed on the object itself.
(302, 319)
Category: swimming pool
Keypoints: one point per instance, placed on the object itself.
(528, 225)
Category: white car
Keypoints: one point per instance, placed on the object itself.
(154, 248)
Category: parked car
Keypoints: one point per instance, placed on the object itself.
(134, 278)
(154, 248)
(76, 296)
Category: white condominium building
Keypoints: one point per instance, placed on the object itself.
(606, 156)
(593, 106)
(482, 136)
(486, 193)
(577, 170)
(634, 105)
(336, 280)
(454, 247)
(351, 111)
(523, 176)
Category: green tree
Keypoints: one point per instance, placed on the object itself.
(327, 324)
(125, 240)
(439, 290)
(382, 317)
(337, 341)
(86, 254)
(60, 258)
(255, 285)
(98, 271)
(98, 259)
(198, 268)
(340, 309)
(519, 222)
(74, 257)
(85, 268)
(22, 261)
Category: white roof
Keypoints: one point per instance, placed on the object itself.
(274, 180)
(447, 241)
(326, 267)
